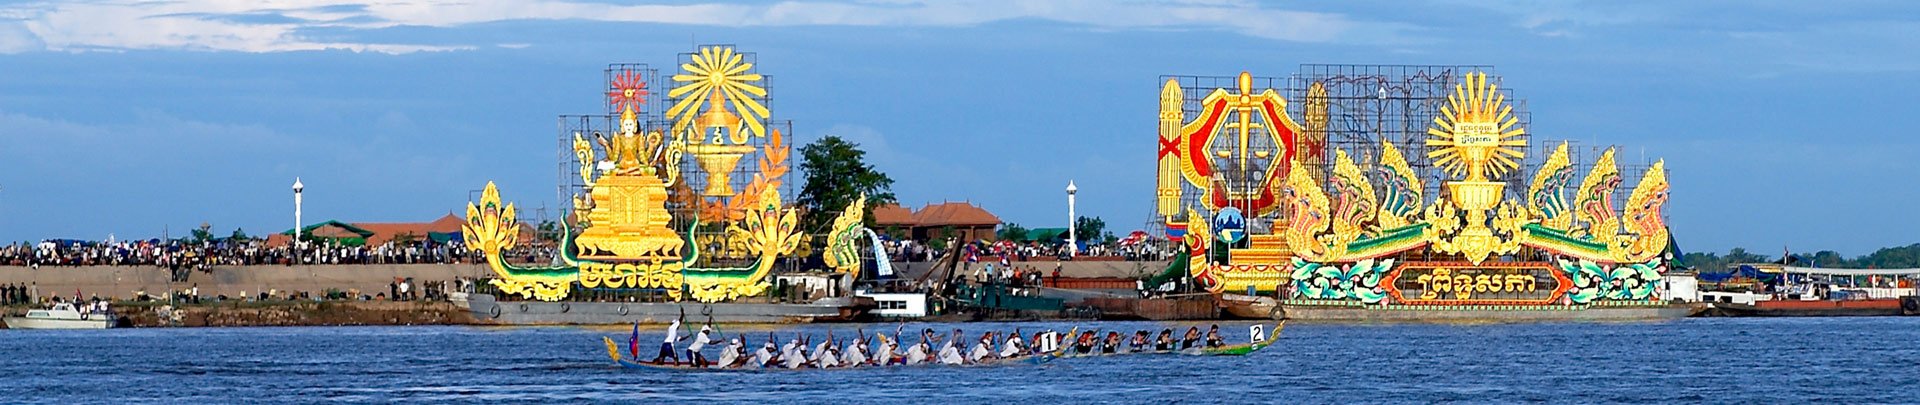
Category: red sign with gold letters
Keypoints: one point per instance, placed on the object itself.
(1462, 283)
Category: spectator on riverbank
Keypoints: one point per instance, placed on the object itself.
(182, 256)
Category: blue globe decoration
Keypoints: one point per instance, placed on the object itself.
(1229, 225)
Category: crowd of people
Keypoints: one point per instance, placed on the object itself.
(176, 254)
(858, 351)
(228, 253)
(908, 250)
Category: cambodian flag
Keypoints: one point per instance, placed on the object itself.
(1177, 232)
(633, 342)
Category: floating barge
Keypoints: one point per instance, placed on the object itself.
(1326, 219)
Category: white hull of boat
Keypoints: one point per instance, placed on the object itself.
(15, 322)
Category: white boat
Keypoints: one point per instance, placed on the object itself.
(61, 316)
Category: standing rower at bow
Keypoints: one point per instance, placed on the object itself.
(666, 347)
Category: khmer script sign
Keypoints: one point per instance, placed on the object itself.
(1456, 283)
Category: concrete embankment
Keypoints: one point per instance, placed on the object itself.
(290, 313)
(123, 281)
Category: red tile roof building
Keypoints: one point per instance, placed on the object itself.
(969, 222)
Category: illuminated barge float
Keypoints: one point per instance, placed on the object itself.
(646, 239)
(1404, 195)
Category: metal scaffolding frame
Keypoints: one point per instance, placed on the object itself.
(1194, 89)
(1397, 103)
(651, 117)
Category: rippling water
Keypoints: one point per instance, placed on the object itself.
(1694, 360)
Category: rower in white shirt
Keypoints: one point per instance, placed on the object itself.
(920, 352)
(856, 353)
(824, 349)
(949, 354)
(887, 352)
(1014, 346)
(700, 341)
(666, 346)
(796, 355)
(829, 356)
(981, 350)
(767, 354)
(731, 354)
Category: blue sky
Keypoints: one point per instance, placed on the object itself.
(1782, 123)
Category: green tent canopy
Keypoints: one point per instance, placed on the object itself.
(347, 234)
(1046, 234)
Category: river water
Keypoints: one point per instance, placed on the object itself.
(1721, 360)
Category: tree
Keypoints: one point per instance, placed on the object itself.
(1089, 229)
(837, 173)
(239, 236)
(548, 231)
(203, 234)
(1013, 232)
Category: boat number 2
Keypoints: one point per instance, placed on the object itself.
(1258, 332)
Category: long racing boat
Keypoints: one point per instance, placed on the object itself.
(1259, 338)
(613, 351)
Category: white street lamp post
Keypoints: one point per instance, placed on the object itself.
(297, 188)
(1073, 237)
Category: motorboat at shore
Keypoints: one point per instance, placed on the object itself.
(1804, 291)
(62, 316)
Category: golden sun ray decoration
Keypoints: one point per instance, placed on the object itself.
(1477, 137)
(1476, 134)
(718, 106)
(719, 77)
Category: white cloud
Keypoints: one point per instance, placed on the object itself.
(283, 25)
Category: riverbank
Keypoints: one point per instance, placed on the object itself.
(289, 313)
(123, 282)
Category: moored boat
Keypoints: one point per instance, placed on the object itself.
(62, 316)
(1785, 291)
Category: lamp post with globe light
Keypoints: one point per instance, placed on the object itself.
(1073, 238)
(297, 189)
